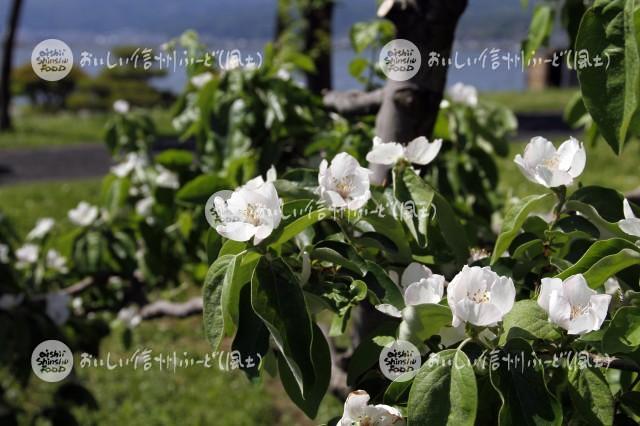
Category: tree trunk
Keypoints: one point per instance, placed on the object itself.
(8, 43)
(409, 108)
(317, 43)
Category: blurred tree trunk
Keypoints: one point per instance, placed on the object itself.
(317, 42)
(409, 108)
(8, 43)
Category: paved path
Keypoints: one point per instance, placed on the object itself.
(59, 163)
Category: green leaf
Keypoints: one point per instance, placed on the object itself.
(610, 95)
(175, 159)
(596, 253)
(252, 338)
(386, 290)
(444, 392)
(339, 254)
(420, 322)
(575, 111)
(422, 195)
(528, 321)
(298, 225)
(524, 394)
(539, 30)
(611, 265)
(451, 229)
(357, 66)
(243, 269)
(368, 351)
(322, 368)
(623, 334)
(607, 229)
(591, 396)
(219, 274)
(513, 221)
(199, 189)
(277, 299)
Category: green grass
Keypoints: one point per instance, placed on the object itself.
(35, 129)
(192, 395)
(549, 100)
(25, 203)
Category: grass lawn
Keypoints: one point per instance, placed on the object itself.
(547, 101)
(33, 129)
(192, 396)
(25, 203)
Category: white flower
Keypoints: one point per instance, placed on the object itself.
(272, 174)
(10, 301)
(418, 151)
(344, 183)
(84, 214)
(27, 255)
(630, 224)
(419, 285)
(130, 316)
(544, 165)
(612, 286)
(463, 94)
(444, 104)
(144, 206)
(572, 304)
(167, 179)
(58, 307)
(56, 261)
(283, 74)
(121, 106)
(358, 412)
(4, 253)
(480, 296)
(78, 305)
(200, 80)
(132, 162)
(251, 211)
(42, 228)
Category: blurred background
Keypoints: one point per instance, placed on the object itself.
(53, 155)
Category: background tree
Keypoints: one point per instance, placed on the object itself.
(8, 43)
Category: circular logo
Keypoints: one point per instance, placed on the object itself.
(52, 361)
(400, 59)
(400, 360)
(52, 59)
(210, 212)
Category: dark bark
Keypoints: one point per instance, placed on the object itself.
(8, 43)
(409, 108)
(317, 43)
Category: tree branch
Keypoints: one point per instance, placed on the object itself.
(353, 102)
(164, 308)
